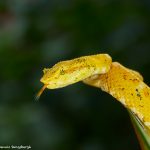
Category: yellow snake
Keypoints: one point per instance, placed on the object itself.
(124, 84)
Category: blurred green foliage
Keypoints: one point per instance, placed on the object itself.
(38, 33)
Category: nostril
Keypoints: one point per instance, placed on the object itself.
(43, 81)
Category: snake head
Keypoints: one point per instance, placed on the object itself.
(65, 73)
(55, 77)
(68, 72)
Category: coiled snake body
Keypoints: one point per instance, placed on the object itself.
(124, 84)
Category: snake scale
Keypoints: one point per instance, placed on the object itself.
(124, 84)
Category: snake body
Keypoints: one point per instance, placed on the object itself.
(124, 84)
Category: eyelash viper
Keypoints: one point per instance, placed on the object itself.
(124, 84)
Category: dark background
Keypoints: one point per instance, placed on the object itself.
(38, 33)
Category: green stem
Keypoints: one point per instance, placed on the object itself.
(142, 135)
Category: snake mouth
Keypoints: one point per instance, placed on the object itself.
(40, 92)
